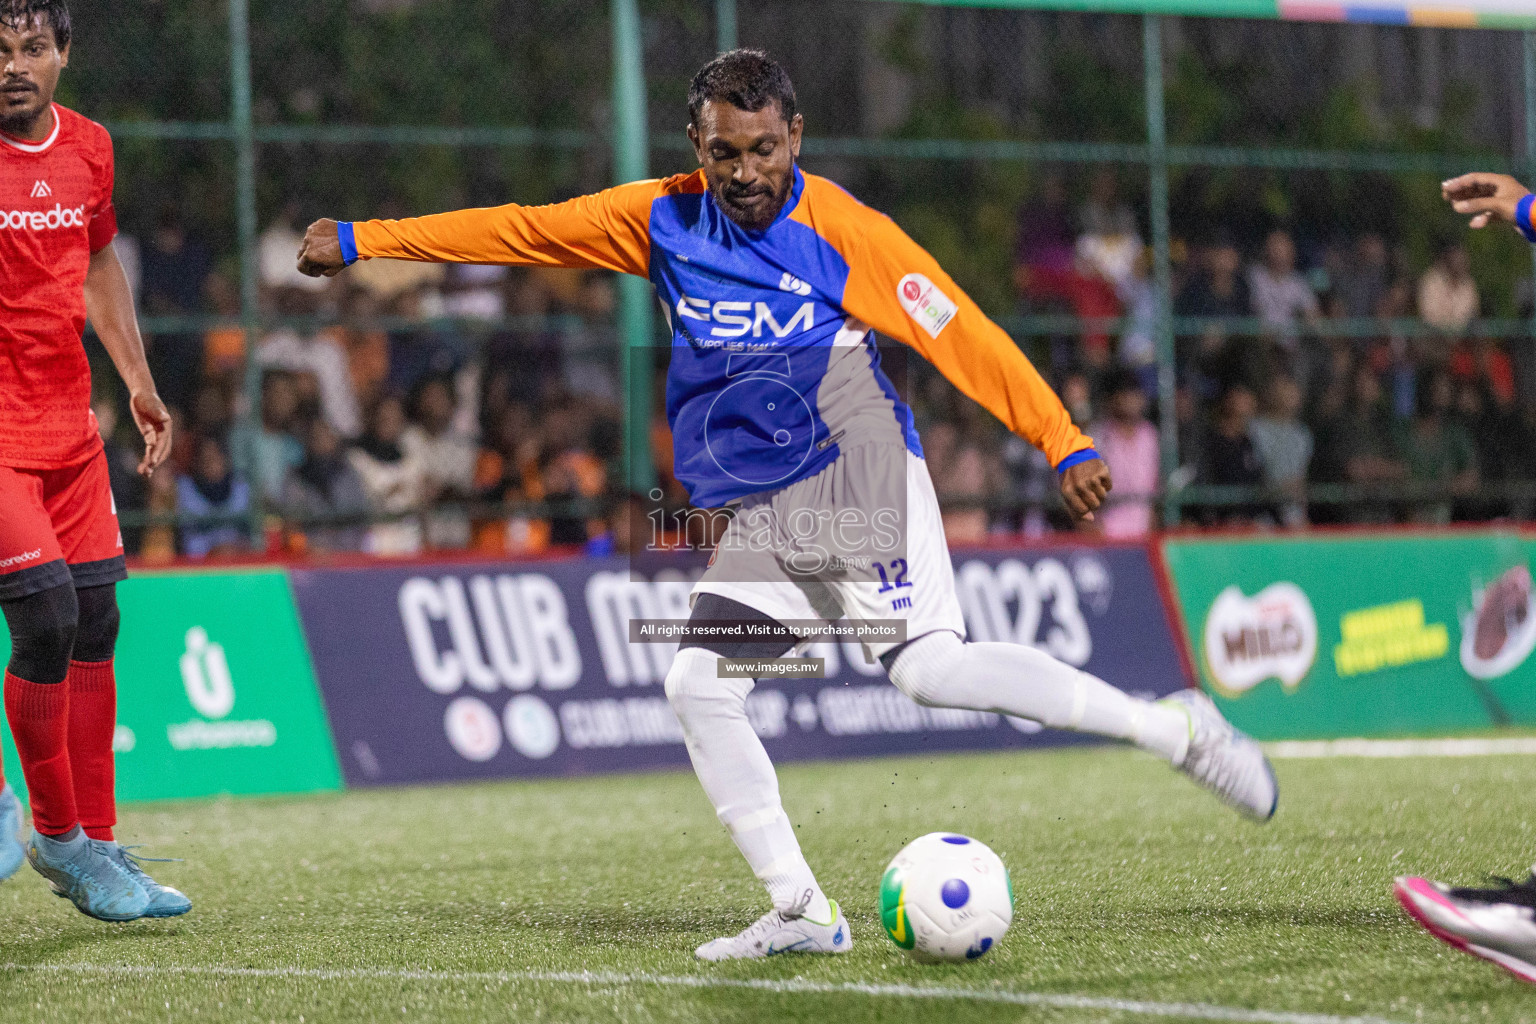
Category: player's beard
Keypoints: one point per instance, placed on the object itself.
(19, 121)
(762, 215)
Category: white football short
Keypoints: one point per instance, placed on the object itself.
(861, 541)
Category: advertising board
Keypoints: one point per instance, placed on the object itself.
(435, 672)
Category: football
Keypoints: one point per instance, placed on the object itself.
(946, 897)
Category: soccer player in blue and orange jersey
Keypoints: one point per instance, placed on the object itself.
(61, 553)
(774, 283)
(1497, 923)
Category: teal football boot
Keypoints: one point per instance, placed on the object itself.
(88, 878)
(12, 853)
(163, 900)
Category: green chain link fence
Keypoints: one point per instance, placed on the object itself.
(249, 136)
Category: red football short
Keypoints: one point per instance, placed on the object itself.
(58, 526)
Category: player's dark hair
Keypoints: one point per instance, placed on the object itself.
(23, 14)
(746, 79)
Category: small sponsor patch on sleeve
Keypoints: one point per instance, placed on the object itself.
(924, 303)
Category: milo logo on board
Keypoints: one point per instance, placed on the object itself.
(1271, 635)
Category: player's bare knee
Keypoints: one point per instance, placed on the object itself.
(43, 627)
(924, 668)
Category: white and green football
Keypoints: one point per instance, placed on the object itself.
(946, 897)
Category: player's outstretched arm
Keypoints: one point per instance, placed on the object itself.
(109, 304)
(1486, 197)
(608, 230)
(896, 287)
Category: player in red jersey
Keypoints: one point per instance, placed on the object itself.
(61, 552)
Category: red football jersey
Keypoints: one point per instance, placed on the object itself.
(55, 212)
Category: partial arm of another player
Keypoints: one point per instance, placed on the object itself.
(109, 304)
(608, 230)
(895, 286)
(1487, 197)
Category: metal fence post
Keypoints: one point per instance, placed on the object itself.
(630, 159)
(1529, 39)
(1157, 166)
(725, 25)
(245, 219)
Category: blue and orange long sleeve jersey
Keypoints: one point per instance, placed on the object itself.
(774, 366)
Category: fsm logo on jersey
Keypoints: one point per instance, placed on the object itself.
(738, 319)
(497, 670)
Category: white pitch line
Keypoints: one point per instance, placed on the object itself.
(1061, 1001)
(1402, 748)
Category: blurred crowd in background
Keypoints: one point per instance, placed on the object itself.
(1337, 362)
(1350, 375)
(412, 407)
(403, 407)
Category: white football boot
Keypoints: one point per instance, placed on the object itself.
(1223, 760)
(776, 933)
(1498, 925)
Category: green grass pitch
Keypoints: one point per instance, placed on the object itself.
(1135, 892)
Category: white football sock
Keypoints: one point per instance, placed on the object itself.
(941, 670)
(739, 780)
